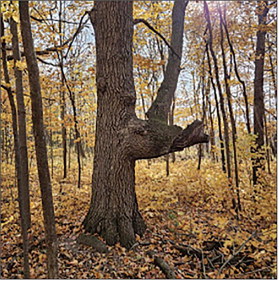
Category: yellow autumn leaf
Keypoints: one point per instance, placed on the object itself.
(20, 65)
(8, 221)
(77, 140)
(15, 18)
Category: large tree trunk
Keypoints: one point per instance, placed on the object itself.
(114, 212)
(122, 138)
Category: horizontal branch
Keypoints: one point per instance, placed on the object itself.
(42, 20)
(48, 63)
(152, 138)
(192, 135)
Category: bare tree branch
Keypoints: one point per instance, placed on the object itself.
(64, 21)
(136, 21)
(56, 48)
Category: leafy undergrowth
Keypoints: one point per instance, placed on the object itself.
(190, 219)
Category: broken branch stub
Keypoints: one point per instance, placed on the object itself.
(193, 134)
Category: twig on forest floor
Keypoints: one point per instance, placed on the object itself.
(237, 252)
(163, 265)
(135, 245)
(203, 266)
(210, 263)
(253, 271)
(188, 250)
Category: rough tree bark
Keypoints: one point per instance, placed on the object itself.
(122, 138)
(258, 90)
(40, 142)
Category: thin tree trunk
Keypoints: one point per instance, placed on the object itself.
(229, 98)
(24, 206)
(167, 159)
(62, 97)
(218, 114)
(203, 92)
(258, 91)
(80, 151)
(267, 146)
(222, 104)
(171, 122)
(21, 126)
(212, 133)
(23, 154)
(69, 145)
(273, 76)
(161, 106)
(224, 22)
(40, 143)
(51, 152)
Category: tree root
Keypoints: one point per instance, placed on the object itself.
(93, 242)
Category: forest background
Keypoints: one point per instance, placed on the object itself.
(210, 209)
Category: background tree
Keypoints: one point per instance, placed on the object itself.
(40, 144)
(20, 148)
(259, 89)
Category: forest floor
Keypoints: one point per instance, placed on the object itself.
(191, 226)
